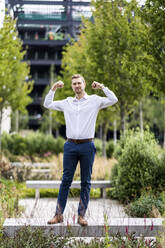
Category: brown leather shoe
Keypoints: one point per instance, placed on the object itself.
(56, 219)
(82, 221)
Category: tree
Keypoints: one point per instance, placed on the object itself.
(153, 116)
(19, 121)
(111, 50)
(117, 52)
(75, 57)
(14, 73)
(153, 13)
(52, 120)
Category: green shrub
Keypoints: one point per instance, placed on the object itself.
(110, 147)
(98, 145)
(41, 143)
(59, 145)
(145, 206)
(117, 151)
(160, 173)
(6, 139)
(136, 166)
(163, 157)
(15, 143)
(114, 175)
(34, 143)
(19, 145)
(114, 172)
(33, 238)
(119, 147)
(37, 143)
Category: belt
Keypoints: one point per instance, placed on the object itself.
(79, 141)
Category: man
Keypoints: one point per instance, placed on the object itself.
(80, 114)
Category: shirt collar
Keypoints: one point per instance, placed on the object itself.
(84, 97)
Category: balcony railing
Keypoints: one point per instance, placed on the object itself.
(35, 117)
(45, 42)
(46, 2)
(42, 81)
(44, 62)
(61, 16)
(40, 16)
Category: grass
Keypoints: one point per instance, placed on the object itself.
(9, 197)
(101, 168)
(25, 192)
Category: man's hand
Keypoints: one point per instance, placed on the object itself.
(58, 84)
(96, 85)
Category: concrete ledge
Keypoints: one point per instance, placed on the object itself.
(147, 227)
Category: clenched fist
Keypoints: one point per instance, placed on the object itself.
(58, 84)
(96, 85)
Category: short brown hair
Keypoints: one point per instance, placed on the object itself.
(78, 76)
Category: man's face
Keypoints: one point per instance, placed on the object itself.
(78, 85)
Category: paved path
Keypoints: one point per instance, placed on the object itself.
(97, 209)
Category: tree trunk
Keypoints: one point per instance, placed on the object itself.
(122, 118)
(164, 139)
(104, 139)
(164, 132)
(114, 132)
(16, 121)
(141, 118)
(57, 132)
(0, 131)
(101, 132)
(50, 122)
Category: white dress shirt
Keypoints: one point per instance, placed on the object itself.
(80, 115)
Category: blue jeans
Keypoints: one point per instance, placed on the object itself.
(85, 153)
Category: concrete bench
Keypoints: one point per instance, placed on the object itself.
(41, 169)
(45, 184)
(33, 165)
(44, 173)
(148, 227)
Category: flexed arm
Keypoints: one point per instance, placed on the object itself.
(49, 103)
(110, 98)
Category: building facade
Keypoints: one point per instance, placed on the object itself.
(45, 27)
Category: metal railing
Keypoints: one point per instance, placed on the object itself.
(40, 16)
(59, 16)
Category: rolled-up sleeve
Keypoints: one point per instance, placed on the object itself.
(55, 105)
(109, 100)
